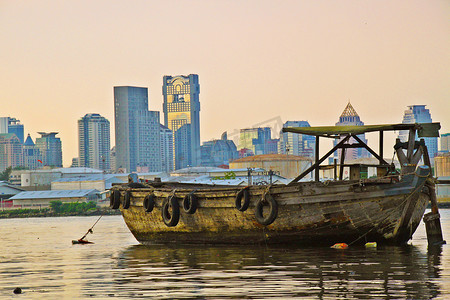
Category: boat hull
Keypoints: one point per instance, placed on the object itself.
(308, 213)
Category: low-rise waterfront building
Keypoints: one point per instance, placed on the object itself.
(99, 182)
(42, 199)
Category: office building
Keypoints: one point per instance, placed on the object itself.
(50, 149)
(32, 159)
(216, 153)
(445, 142)
(94, 142)
(182, 115)
(12, 125)
(419, 114)
(349, 117)
(255, 139)
(166, 138)
(11, 154)
(112, 159)
(296, 144)
(137, 130)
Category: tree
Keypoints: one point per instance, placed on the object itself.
(4, 176)
(56, 205)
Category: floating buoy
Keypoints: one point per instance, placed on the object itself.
(371, 245)
(340, 246)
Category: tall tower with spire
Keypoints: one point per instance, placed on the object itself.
(350, 117)
(31, 155)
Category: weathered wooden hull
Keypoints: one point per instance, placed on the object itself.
(308, 213)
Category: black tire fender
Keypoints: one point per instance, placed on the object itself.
(126, 200)
(170, 211)
(273, 210)
(149, 202)
(114, 199)
(190, 202)
(245, 195)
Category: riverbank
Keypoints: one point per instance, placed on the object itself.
(46, 212)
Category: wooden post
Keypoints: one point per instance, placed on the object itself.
(341, 168)
(335, 168)
(317, 158)
(411, 142)
(381, 146)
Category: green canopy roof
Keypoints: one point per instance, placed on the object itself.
(424, 129)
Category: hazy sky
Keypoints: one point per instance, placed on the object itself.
(256, 60)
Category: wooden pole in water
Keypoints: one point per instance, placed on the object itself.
(432, 219)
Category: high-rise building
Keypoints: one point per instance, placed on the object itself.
(166, 136)
(255, 139)
(137, 130)
(419, 114)
(94, 142)
(12, 125)
(349, 117)
(182, 115)
(218, 152)
(50, 149)
(11, 154)
(445, 142)
(112, 158)
(296, 144)
(31, 155)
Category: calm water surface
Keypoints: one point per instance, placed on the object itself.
(36, 254)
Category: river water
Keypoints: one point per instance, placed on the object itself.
(37, 255)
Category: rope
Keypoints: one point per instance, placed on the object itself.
(267, 189)
(90, 229)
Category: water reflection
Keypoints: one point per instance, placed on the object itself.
(38, 257)
(255, 272)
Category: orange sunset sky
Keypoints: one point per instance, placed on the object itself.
(256, 60)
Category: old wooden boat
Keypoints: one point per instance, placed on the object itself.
(386, 209)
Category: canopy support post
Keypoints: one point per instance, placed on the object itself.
(316, 165)
(317, 158)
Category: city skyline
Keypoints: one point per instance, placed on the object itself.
(295, 60)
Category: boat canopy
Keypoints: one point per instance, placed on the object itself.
(424, 129)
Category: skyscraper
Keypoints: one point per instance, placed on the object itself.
(445, 142)
(296, 144)
(349, 117)
(31, 154)
(218, 152)
(12, 125)
(166, 149)
(137, 130)
(11, 154)
(255, 139)
(182, 115)
(94, 142)
(50, 149)
(419, 114)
